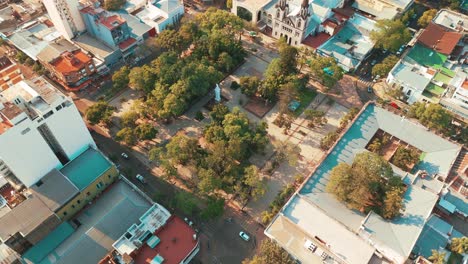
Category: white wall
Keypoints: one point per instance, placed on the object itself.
(70, 131)
(61, 24)
(28, 156)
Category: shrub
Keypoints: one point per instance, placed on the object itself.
(235, 85)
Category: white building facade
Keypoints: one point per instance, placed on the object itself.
(66, 17)
(294, 20)
(40, 129)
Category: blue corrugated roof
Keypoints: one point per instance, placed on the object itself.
(39, 251)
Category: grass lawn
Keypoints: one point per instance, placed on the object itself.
(305, 96)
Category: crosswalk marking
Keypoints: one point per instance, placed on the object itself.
(365, 82)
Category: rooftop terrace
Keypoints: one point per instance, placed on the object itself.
(176, 243)
(440, 154)
(101, 225)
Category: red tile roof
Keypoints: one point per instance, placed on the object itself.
(439, 39)
(71, 62)
(112, 22)
(465, 85)
(176, 243)
(127, 43)
(89, 10)
(330, 23)
(316, 41)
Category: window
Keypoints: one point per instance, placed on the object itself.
(48, 114)
(99, 185)
(299, 23)
(78, 201)
(25, 131)
(58, 107)
(73, 206)
(277, 14)
(408, 92)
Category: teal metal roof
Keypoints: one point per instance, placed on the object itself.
(39, 251)
(153, 241)
(157, 260)
(447, 205)
(86, 168)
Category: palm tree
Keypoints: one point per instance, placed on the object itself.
(459, 245)
(437, 257)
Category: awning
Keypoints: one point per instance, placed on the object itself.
(447, 205)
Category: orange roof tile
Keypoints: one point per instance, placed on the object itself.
(112, 22)
(71, 62)
(439, 39)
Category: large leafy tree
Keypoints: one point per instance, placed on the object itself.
(431, 115)
(182, 149)
(367, 185)
(328, 77)
(99, 112)
(270, 252)
(120, 78)
(385, 66)
(459, 245)
(113, 5)
(390, 34)
(145, 131)
(142, 78)
(427, 17)
(249, 85)
(437, 257)
(126, 135)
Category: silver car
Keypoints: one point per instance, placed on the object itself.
(244, 236)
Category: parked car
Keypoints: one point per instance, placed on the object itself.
(374, 62)
(244, 236)
(124, 155)
(369, 89)
(376, 78)
(140, 178)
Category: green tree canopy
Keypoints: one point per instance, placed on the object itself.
(120, 78)
(129, 118)
(367, 185)
(427, 17)
(270, 252)
(126, 135)
(146, 131)
(99, 112)
(113, 5)
(431, 115)
(437, 257)
(214, 208)
(249, 85)
(328, 77)
(385, 66)
(182, 149)
(459, 245)
(390, 34)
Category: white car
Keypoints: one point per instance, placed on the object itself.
(124, 155)
(140, 178)
(244, 236)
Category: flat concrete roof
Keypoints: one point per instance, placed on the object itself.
(419, 202)
(102, 223)
(54, 190)
(94, 46)
(24, 218)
